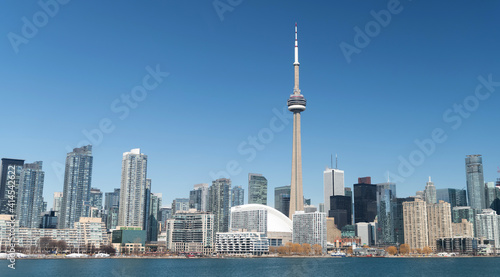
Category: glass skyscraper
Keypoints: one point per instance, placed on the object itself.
(77, 182)
(154, 211)
(365, 200)
(111, 208)
(282, 199)
(257, 189)
(456, 197)
(238, 196)
(475, 181)
(386, 213)
(220, 204)
(30, 197)
(198, 197)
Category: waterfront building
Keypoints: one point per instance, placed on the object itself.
(261, 218)
(462, 245)
(237, 196)
(86, 232)
(488, 226)
(282, 199)
(296, 104)
(365, 200)
(198, 198)
(129, 240)
(134, 191)
(10, 175)
(241, 243)
(77, 184)
(190, 232)
(415, 224)
(475, 181)
(309, 228)
(438, 222)
(257, 189)
(430, 192)
(220, 203)
(333, 184)
(30, 195)
(386, 213)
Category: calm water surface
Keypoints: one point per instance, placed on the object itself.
(258, 267)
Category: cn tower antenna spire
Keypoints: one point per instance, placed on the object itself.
(296, 47)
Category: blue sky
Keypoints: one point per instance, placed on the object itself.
(229, 78)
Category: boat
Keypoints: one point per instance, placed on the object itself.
(76, 255)
(339, 254)
(101, 255)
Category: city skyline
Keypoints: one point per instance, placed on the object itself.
(381, 92)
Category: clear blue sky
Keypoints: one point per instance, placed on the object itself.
(226, 77)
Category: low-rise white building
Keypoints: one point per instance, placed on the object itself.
(241, 243)
(87, 231)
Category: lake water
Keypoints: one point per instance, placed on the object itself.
(258, 267)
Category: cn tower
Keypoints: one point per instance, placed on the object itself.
(296, 104)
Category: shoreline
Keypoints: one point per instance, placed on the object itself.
(243, 257)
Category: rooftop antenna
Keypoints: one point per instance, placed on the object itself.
(336, 162)
(331, 160)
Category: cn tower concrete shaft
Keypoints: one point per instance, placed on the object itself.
(296, 104)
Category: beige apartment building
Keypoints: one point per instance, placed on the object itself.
(438, 222)
(415, 224)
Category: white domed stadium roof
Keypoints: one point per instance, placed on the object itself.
(276, 220)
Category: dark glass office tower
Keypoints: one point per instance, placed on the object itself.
(282, 199)
(365, 200)
(341, 210)
(386, 213)
(456, 197)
